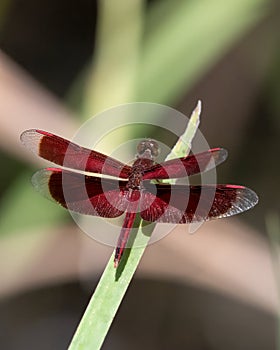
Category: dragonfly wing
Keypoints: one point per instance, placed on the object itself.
(70, 155)
(187, 166)
(181, 204)
(83, 194)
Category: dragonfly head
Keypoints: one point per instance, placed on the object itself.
(148, 149)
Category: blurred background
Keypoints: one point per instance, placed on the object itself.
(62, 62)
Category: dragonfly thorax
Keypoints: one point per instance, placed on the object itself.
(138, 168)
(135, 180)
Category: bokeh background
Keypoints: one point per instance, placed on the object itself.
(62, 62)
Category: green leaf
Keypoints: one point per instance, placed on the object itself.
(183, 145)
(108, 295)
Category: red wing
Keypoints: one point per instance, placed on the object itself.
(81, 193)
(181, 204)
(65, 153)
(186, 166)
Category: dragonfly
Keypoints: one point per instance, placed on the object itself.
(91, 183)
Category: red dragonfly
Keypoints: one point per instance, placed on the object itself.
(133, 189)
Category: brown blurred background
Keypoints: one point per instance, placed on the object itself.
(62, 62)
